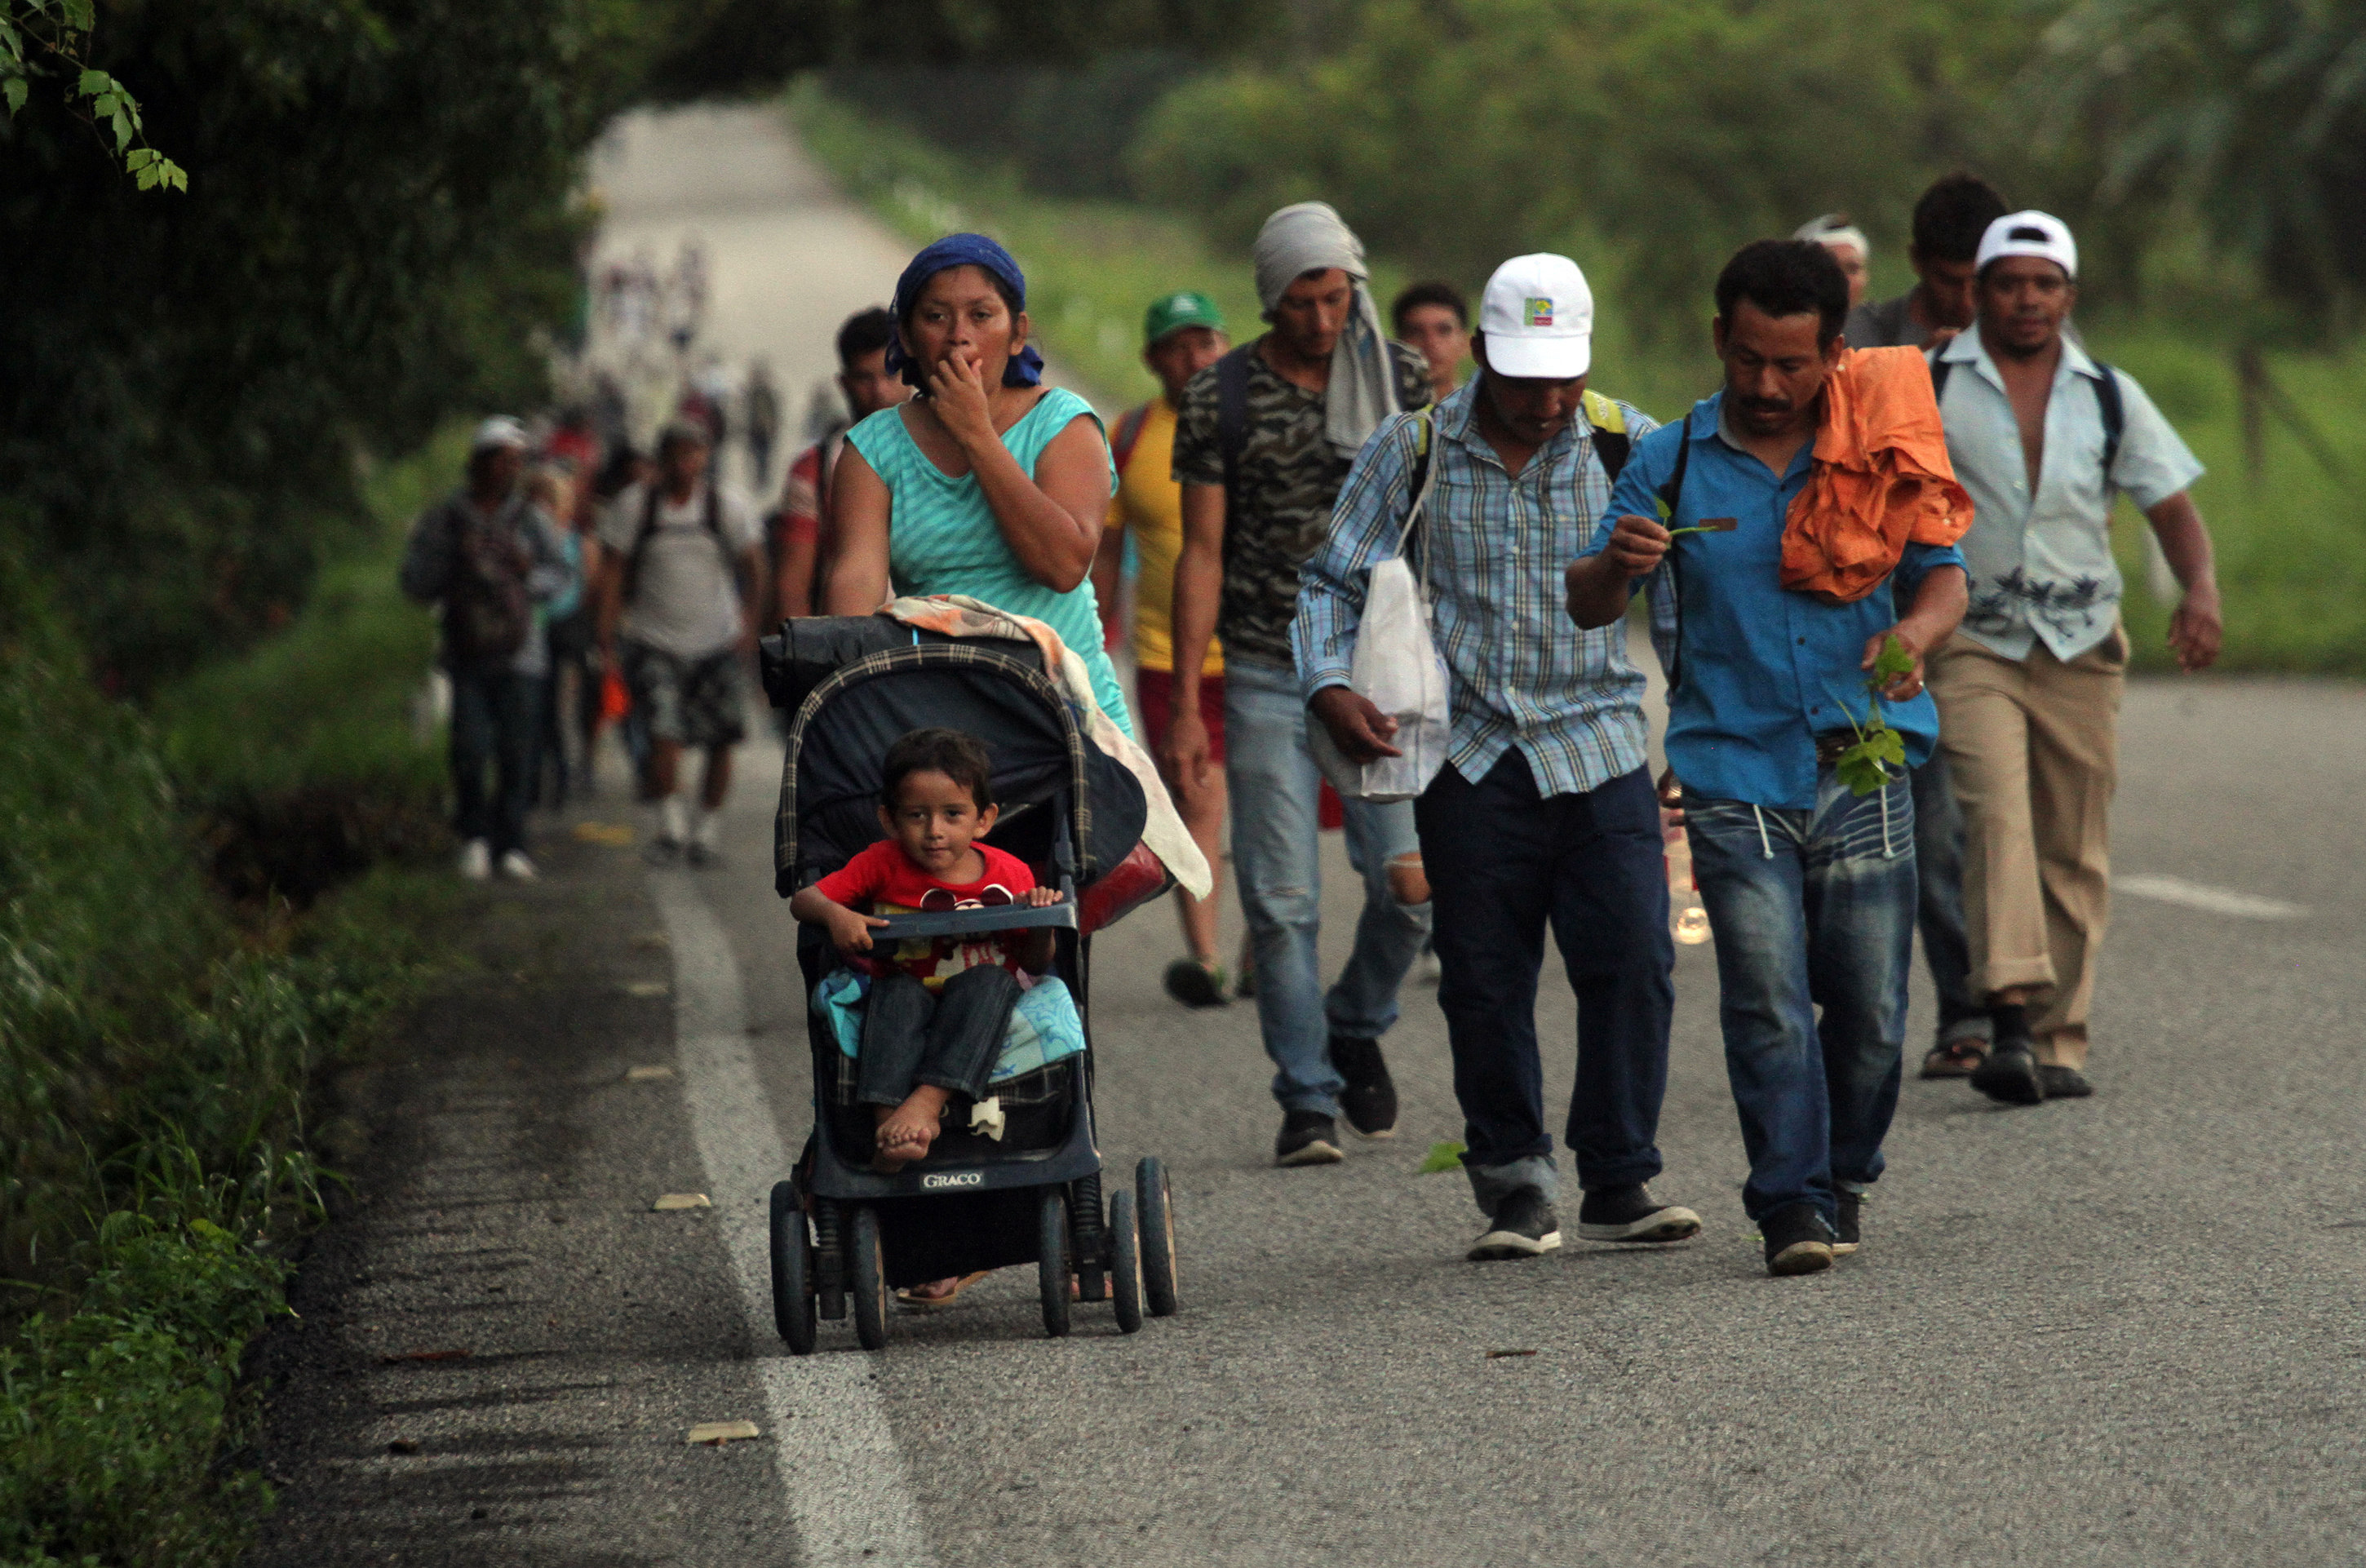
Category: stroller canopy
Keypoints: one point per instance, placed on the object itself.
(855, 684)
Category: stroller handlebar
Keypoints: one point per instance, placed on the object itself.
(983, 922)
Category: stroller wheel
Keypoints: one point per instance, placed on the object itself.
(792, 1300)
(869, 1286)
(1157, 1216)
(1051, 1270)
(1125, 1263)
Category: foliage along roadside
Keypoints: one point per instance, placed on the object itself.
(162, 1053)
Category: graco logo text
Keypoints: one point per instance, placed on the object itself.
(954, 1178)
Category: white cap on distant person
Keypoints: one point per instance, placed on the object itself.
(500, 431)
(1834, 228)
(2031, 233)
(1538, 318)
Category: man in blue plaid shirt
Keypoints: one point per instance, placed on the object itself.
(1544, 812)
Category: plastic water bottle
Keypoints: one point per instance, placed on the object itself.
(1688, 919)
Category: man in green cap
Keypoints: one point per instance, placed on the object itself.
(1182, 333)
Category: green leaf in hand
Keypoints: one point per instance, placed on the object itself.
(1892, 662)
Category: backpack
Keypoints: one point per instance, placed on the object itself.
(487, 615)
(1129, 431)
(1611, 442)
(711, 515)
(2107, 398)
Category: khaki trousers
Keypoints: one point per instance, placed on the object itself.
(2033, 748)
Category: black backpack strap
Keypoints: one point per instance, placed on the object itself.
(1233, 417)
(641, 539)
(1940, 370)
(2114, 410)
(1611, 448)
(1672, 496)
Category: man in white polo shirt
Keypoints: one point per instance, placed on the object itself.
(2042, 436)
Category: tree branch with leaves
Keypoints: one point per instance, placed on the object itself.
(48, 40)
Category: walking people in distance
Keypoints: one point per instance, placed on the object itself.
(1795, 532)
(1183, 333)
(1543, 815)
(682, 558)
(2045, 436)
(489, 559)
(1264, 440)
(760, 404)
(1848, 247)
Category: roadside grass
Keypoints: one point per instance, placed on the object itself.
(2292, 548)
(161, 1047)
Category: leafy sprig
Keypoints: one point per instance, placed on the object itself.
(45, 38)
(1865, 767)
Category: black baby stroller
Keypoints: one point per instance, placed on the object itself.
(1017, 1178)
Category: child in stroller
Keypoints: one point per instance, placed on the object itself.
(938, 1009)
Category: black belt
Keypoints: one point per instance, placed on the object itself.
(1830, 744)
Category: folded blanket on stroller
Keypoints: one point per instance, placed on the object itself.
(957, 614)
(1045, 1027)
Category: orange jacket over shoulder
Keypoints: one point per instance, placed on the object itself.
(1880, 479)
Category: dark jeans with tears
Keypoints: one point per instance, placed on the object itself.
(912, 1036)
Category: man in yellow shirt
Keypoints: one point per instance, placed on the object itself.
(1182, 333)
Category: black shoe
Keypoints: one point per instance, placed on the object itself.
(2010, 1077)
(1797, 1240)
(1369, 1100)
(1525, 1226)
(662, 852)
(1194, 985)
(1308, 1137)
(2064, 1083)
(1629, 1213)
(1849, 1203)
(701, 856)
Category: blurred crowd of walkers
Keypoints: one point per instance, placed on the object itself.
(1876, 569)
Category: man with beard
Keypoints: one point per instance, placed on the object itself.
(1794, 532)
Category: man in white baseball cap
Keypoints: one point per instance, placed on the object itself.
(1544, 812)
(2043, 435)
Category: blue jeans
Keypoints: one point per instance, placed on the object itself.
(1277, 858)
(1939, 866)
(1504, 861)
(496, 715)
(1812, 909)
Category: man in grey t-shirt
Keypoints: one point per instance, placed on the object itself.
(681, 555)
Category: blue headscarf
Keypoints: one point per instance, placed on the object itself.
(1026, 367)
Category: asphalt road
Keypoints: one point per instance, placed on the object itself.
(2121, 1330)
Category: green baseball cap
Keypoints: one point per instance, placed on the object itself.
(1172, 312)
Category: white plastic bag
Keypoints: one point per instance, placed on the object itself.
(1396, 667)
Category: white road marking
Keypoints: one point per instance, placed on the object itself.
(835, 1454)
(2201, 896)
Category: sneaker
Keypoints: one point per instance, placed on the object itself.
(2064, 1083)
(1629, 1213)
(1525, 1226)
(1797, 1240)
(517, 867)
(1845, 1225)
(2010, 1077)
(1369, 1100)
(1426, 970)
(477, 859)
(1308, 1137)
(1194, 984)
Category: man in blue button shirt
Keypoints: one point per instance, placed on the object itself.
(1809, 887)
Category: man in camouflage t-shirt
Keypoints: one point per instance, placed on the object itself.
(1245, 535)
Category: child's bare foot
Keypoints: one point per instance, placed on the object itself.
(905, 1133)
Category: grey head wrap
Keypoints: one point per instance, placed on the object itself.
(1308, 236)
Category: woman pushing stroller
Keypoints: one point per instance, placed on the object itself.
(940, 1007)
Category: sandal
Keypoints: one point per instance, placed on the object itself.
(1195, 985)
(1956, 1059)
(907, 1298)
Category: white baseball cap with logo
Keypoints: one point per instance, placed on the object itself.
(1538, 318)
(2031, 233)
